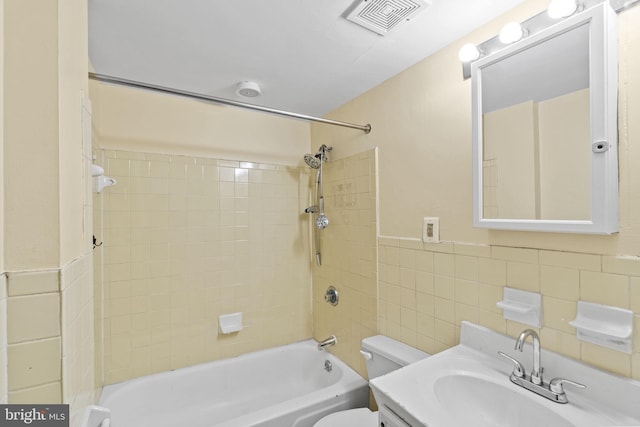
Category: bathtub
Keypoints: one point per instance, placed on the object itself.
(279, 387)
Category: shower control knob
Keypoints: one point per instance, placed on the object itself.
(331, 296)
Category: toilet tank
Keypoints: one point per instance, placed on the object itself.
(384, 354)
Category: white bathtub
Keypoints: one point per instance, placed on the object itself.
(280, 387)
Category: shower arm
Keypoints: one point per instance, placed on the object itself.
(132, 83)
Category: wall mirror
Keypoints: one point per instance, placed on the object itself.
(545, 154)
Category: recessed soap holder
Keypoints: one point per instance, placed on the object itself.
(603, 325)
(230, 323)
(521, 306)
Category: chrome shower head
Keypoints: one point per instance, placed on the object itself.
(312, 161)
(322, 221)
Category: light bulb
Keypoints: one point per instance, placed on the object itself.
(511, 33)
(562, 8)
(469, 52)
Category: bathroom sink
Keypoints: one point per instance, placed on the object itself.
(469, 385)
(481, 402)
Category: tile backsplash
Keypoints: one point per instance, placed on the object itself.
(187, 239)
(426, 290)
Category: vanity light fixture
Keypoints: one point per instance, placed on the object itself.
(562, 8)
(469, 52)
(512, 32)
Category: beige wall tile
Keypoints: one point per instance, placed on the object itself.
(523, 276)
(424, 261)
(492, 271)
(465, 312)
(425, 325)
(634, 294)
(604, 288)
(30, 283)
(33, 317)
(444, 334)
(492, 320)
(414, 244)
(4, 387)
(442, 247)
(34, 363)
(444, 264)
(628, 265)
(466, 267)
(558, 313)
(44, 394)
(521, 255)
(475, 250)
(466, 292)
(560, 282)
(407, 258)
(635, 366)
(607, 359)
(424, 282)
(572, 260)
(560, 342)
(444, 310)
(444, 287)
(489, 296)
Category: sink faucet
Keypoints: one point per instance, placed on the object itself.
(536, 373)
(554, 389)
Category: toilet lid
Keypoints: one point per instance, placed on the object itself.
(361, 417)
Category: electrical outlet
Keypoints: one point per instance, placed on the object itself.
(431, 230)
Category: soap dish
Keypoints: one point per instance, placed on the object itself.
(230, 323)
(603, 325)
(522, 306)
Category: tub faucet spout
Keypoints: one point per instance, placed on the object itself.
(328, 342)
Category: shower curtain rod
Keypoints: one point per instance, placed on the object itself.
(131, 83)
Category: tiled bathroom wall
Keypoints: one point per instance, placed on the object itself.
(34, 337)
(349, 256)
(78, 376)
(426, 290)
(187, 239)
(4, 390)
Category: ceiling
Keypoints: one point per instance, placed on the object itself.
(306, 57)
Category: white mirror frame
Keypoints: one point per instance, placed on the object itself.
(603, 100)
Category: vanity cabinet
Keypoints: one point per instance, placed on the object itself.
(388, 418)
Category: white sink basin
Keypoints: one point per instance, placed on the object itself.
(468, 385)
(481, 402)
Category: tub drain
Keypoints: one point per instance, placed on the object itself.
(328, 366)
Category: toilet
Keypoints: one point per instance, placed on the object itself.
(382, 355)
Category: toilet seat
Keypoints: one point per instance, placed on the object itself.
(361, 417)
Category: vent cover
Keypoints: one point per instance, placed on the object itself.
(382, 16)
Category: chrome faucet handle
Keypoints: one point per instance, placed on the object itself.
(555, 385)
(518, 370)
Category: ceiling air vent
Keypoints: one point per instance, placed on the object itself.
(382, 16)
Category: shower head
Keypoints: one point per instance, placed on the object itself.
(312, 161)
(322, 221)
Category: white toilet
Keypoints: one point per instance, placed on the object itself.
(382, 355)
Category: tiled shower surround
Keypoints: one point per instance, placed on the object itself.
(349, 257)
(187, 239)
